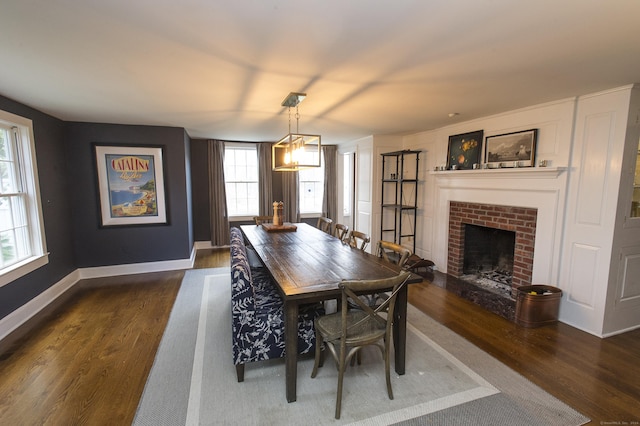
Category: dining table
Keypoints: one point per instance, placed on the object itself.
(307, 266)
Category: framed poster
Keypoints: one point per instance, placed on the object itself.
(517, 149)
(464, 150)
(131, 185)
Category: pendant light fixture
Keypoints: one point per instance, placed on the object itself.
(295, 151)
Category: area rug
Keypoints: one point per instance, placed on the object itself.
(448, 381)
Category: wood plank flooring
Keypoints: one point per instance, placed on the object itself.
(86, 362)
(598, 377)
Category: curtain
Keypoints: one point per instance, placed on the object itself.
(264, 179)
(329, 200)
(291, 197)
(219, 220)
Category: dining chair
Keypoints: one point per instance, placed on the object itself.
(259, 220)
(345, 333)
(392, 252)
(324, 224)
(341, 231)
(359, 240)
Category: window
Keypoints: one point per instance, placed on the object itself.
(241, 179)
(22, 242)
(311, 183)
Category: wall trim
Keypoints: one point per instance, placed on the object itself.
(203, 245)
(15, 319)
(138, 268)
(21, 315)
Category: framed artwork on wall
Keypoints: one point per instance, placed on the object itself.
(464, 150)
(130, 185)
(517, 149)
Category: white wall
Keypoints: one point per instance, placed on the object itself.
(543, 189)
(583, 140)
(381, 144)
(368, 189)
(365, 165)
(623, 294)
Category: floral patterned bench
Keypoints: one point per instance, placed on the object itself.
(257, 314)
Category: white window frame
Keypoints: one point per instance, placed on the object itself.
(26, 152)
(301, 173)
(248, 147)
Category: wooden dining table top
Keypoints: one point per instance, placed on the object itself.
(308, 264)
(308, 260)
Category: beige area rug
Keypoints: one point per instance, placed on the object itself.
(448, 380)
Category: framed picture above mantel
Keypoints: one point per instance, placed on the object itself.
(131, 185)
(464, 150)
(516, 149)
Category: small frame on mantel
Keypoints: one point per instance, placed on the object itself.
(464, 150)
(517, 149)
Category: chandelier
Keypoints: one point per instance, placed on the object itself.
(295, 151)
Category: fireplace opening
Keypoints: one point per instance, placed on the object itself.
(488, 257)
(520, 222)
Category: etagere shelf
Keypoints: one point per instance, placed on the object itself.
(399, 198)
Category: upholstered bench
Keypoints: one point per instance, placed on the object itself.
(257, 314)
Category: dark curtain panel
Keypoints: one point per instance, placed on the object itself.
(264, 179)
(329, 200)
(219, 220)
(291, 197)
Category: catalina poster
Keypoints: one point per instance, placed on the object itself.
(129, 189)
(132, 185)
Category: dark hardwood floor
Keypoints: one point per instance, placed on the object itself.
(87, 360)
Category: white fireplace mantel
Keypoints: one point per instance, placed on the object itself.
(515, 173)
(542, 188)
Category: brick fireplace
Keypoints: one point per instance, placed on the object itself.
(521, 220)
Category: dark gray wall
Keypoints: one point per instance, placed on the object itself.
(69, 192)
(57, 205)
(68, 187)
(188, 186)
(200, 190)
(115, 245)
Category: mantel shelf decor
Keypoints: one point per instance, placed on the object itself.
(516, 148)
(464, 150)
(511, 173)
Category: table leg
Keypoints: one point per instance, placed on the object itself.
(400, 330)
(291, 348)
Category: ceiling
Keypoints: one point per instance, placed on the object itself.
(221, 68)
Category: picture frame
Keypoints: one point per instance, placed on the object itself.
(515, 149)
(131, 184)
(464, 150)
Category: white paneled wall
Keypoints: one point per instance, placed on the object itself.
(583, 140)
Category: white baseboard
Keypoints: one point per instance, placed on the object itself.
(21, 315)
(138, 268)
(207, 245)
(203, 245)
